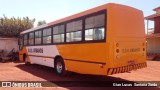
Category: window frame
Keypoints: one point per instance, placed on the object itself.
(105, 26)
(74, 20)
(31, 38)
(59, 33)
(74, 32)
(21, 41)
(38, 37)
(104, 11)
(46, 36)
(26, 39)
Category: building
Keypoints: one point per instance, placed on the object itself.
(7, 44)
(153, 35)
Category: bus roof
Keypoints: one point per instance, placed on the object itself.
(36, 28)
(102, 7)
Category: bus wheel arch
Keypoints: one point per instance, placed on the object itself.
(59, 66)
(25, 58)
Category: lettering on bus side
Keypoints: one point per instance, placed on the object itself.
(35, 50)
(126, 50)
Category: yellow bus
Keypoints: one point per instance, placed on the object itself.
(105, 40)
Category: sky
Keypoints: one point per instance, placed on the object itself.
(51, 10)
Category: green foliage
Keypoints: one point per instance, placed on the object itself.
(41, 22)
(11, 27)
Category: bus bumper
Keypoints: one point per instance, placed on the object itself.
(123, 69)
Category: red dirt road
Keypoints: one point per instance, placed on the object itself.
(151, 73)
(21, 72)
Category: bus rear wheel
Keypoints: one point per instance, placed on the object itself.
(60, 67)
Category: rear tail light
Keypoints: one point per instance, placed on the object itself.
(117, 44)
(117, 57)
(143, 54)
(102, 65)
(143, 49)
(143, 44)
(117, 50)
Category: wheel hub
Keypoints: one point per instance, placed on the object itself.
(59, 67)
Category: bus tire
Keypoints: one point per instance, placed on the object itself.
(60, 67)
(26, 60)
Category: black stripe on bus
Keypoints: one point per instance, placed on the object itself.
(113, 71)
(121, 69)
(40, 56)
(118, 69)
(108, 71)
(68, 59)
(85, 61)
(125, 68)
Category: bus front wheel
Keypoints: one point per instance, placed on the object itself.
(60, 67)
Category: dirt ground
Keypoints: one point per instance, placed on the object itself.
(20, 72)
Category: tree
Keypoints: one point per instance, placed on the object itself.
(41, 22)
(11, 27)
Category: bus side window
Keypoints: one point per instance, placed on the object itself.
(47, 36)
(58, 34)
(38, 38)
(74, 31)
(94, 27)
(31, 38)
(99, 34)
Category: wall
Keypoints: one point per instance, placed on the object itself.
(8, 44)
(153, 45)
(157, 25)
